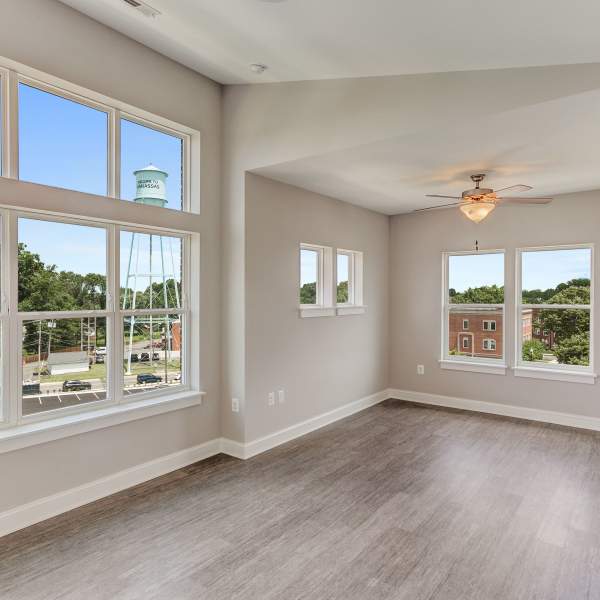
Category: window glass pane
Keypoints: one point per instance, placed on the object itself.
(152, 347)
(475, 332)
(556, 276)
(61, 266)
(61, 142)
(476, 278)
(560, 336)
(150, 271)
(63, 363)
(162, 183)
(343, 269)
(309, 269)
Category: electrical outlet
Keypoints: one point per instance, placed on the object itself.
(271, 399)
(420, 369)
(281, 396)
(235, 405)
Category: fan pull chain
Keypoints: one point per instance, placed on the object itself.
(476, 245)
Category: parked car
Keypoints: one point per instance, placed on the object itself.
(144, 357)
(75, 385)
(148, 378)
(135, 358)
(100, 359)
(31, 389)
(100, 350)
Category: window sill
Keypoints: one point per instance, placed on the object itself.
(316, 311)
(350, 310)
(31, 434)
(556, 374)
(475, 367)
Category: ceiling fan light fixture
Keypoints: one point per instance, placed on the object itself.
(477, 211)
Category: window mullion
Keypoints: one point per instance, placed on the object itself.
(114, 154)
(11, 124)
(116, 343)
(10, 250)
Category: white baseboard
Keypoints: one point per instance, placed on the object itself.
(507, 410)
(50, 506)
(288, 434)
(61, 502)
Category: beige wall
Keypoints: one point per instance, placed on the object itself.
(322, 363)
(417, 242)
(51, 37)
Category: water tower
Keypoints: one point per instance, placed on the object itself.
(151, 190)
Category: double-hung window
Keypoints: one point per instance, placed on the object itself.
(98, 298)
(555, 296)
(473, 311)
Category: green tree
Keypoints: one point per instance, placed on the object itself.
(574, 350)
(533, 350)
(308, 293)
(487, 294)
(342, 292)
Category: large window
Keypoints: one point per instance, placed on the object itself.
(473, 311)
(98, 299)
(68, 326)
(554, 308)
(63, 139)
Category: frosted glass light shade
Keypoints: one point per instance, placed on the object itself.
(477, 211)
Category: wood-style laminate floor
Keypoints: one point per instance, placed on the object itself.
(399, 501)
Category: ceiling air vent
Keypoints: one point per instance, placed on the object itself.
(144, 8)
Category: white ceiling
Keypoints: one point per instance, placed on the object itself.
(321, 39)
(553, 146)
(401, 137)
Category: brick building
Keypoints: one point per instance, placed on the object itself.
(478, 332)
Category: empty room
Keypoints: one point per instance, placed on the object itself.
(298, 300)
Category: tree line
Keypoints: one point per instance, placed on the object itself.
(43, 287)
(308, 293)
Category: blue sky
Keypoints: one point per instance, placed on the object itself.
(308, 267)
(541, 270)
(64, 144)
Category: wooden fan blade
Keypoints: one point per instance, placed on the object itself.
(522, 201)
(515, 188)
(436, 207)
(440, 196)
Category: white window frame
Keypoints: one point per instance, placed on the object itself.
(493, 366)
(46, 202)
(324, 297)
(570, 373)
(13, 73)
(465, 343)
(489, 325)
(355, 304)
(465, 327)
(489, 344)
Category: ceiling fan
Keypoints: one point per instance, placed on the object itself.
(477, 203)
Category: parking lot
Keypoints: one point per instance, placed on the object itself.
(43, 403)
